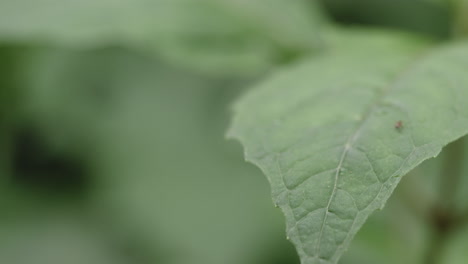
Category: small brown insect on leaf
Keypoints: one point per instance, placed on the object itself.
(399, 125)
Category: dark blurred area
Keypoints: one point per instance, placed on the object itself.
(432, 18)
(112, 123)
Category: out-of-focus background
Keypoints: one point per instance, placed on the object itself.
(112, 123)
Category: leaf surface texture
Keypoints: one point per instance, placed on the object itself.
(334, 135)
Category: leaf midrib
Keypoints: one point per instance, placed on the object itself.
(352, 138)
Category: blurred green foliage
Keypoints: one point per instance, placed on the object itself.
(112, 120)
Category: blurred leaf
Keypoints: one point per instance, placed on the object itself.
(54, 239)
(8, 106)
(335, 135)
(461, 18)
(455, 250)
(163, 173)
(7, 89)
(432, 17)
(233, 37)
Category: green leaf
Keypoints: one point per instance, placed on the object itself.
(398, 234)
(325, 132)
(237, 37)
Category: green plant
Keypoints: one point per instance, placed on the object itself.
(335, 133)
(113, 113)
